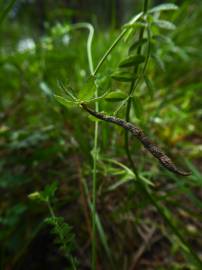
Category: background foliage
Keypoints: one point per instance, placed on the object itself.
(46, 150)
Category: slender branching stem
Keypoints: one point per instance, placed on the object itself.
(139, 183)
(95, 141)
(116, 41)
(95, 148)
(131, 91)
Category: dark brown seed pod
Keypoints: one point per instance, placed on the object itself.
(139, 134)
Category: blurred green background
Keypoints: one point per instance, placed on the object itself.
(42, 142)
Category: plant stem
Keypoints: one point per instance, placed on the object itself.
(119, 38)
(121, 35)
(139, 183)
(132, 88)
(95, 147)
(94, 192)
(95, 143)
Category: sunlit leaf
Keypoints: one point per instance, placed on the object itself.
(135, 18)
(165, 24)
(162, 7)
(45, 88)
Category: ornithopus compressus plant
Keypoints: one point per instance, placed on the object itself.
(140, 34)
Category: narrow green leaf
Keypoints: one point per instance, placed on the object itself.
(162, 7)
(67, 90)
(132, 61)
(137, 43)
(137, 107)
(115, 96)
(165, 24)
(150, 86)
(64, 101)
(158, 61)
(123, 76)
(5, 11)
(135, 25)
(136, 18)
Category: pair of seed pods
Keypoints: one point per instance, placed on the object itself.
(139, 134)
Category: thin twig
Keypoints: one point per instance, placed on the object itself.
(139, 134)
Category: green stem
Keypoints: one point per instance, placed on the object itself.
(94, 192)
(121, 35)
(95, 146)
(117, 40)
(90, 28)
(128, 107)
(139, 183)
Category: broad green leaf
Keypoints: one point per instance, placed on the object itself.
(150, 86)
(115, 96)
(165, 24)
(64, 101)
(132, 61)
(137, 43)
(123, 76)
(162, 7)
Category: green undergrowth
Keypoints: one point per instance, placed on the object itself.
(70, 196)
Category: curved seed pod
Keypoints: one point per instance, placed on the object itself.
(139, 134)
